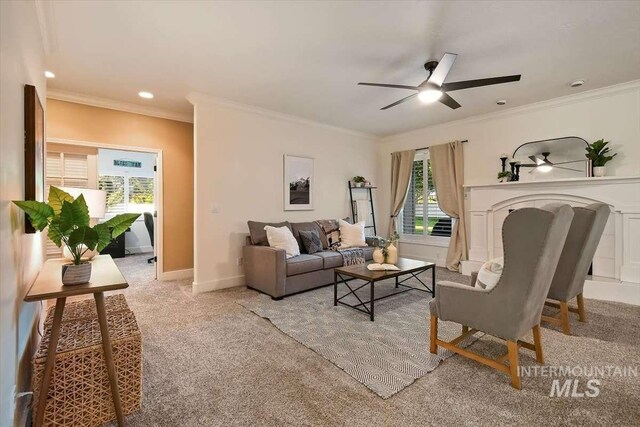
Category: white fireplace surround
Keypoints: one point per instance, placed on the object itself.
(616, 265)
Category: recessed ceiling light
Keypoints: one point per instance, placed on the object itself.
(145, 95)
(501, 102)
(49, 74)
(429, 95)
(576, 83)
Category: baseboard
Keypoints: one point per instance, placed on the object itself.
(612, 290)
(215, 285)
(177, 274)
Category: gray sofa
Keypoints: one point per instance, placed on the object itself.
(269, 271)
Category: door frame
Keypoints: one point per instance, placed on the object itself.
(159, 240)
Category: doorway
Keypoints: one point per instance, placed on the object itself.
(132, 180)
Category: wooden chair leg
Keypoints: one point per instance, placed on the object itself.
(537, 342)
(564, 317)
(433, 347)
(512, 346)
(582, 316)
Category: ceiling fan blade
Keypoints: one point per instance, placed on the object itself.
(443, 68)
(467, 84)
(538, 161)
(390, 86)
(449, 101)
(400, 101)
(570, 161)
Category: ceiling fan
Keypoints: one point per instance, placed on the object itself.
(545, 165)
(434, 88)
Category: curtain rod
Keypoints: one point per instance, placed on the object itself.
(426, 148)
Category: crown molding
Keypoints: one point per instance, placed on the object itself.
(95, 101)
(196, 97)
(554, 102)
(46, 22)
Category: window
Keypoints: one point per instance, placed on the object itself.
(128, 194)
(114, 186)
(421, 215)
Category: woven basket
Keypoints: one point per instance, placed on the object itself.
(86, 309)
(79, 393)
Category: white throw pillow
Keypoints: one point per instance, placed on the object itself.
(489, 274)
(351, 234)
(282, 238)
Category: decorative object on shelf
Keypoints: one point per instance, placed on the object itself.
(378, 256)
(550, 159)
(33, 149)
(368, 184)
(298, 183)
(504, 176)
(358, 181)
(68, 221)
(597, 153)
(97, 204)
(503, 161)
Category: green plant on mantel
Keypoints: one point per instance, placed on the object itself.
(597, 152)
(505, 174)
(68, 222)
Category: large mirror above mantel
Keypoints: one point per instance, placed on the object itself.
(552, 159)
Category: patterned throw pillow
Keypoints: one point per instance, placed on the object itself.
(489, 274)
(311, 241)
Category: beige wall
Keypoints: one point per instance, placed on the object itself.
(78, 122)
(612, 113)
(239, 171)
(21, 255)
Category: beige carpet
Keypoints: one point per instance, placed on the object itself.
(210, 362)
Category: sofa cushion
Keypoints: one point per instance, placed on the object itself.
(332, 259)
(297, 227)
(282, 238)
(303, 264)
(310, 241)
(258, 233)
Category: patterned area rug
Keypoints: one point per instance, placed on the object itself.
(386, 355)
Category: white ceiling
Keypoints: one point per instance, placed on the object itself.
(305, 58)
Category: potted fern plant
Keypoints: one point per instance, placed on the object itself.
(598, 153)
(67, 220)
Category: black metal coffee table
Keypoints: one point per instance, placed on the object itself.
(407, 266)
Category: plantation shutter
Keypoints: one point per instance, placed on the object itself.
(114, 186)
(412, 211)
(76, 170)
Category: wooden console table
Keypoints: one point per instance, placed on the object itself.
(105, 276)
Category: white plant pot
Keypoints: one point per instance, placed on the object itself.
(599, 171)
(76, 274)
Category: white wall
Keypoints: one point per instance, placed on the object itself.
(612, 113)
(137, 240)
(239, 171)
(21, 62)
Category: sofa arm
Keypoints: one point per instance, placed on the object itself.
(265, 269)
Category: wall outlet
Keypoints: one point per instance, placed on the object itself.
(239, 261)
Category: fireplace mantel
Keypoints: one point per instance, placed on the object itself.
(618, 255)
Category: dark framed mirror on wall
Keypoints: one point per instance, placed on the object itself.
(34, 149)
(557, 158)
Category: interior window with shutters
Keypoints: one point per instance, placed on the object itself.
(115, 188)
(421, 216)
(140, 194)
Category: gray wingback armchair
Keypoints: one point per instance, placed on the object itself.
(579, 248)
(533, 239)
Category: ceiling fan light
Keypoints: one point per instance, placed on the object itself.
(429, 95)
(544, 168)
